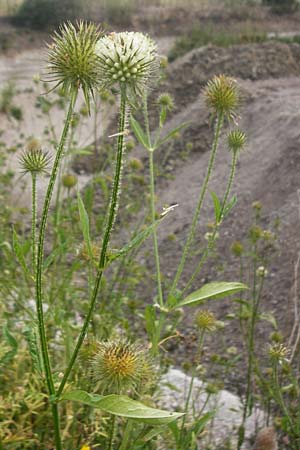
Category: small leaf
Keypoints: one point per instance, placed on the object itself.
(229, 206)
(11, 341)
(171, 134)
(123, 406)
(139, 133)
(217, 206)
(268, 317)
(19, 252)
(150, 321)
(212, 290)
(85, 226)
(30, 334)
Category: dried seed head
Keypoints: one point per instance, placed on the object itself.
(73, 62)
(69, 180)
(206, 321)
(222, 96)
(128, 58)
(119, 366)
(278, 352)
(34, 160)
(266, 439)
(236, 140)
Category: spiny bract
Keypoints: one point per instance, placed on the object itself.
(128, 58)
(73, 62)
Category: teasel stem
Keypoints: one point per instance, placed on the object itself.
(190, 391)
(191, 235)
(112, 213)
(152, 203)
(126, 435)
(33, 223)
(213, 238)
(251, 342)
(281, 402)
(39, 270)
(111, 433)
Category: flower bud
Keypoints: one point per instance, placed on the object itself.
(69, 180)
(34, 160)
(236, 140)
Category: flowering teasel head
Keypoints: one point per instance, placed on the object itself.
(222, 96)
(236, 140)
(34, 160)
(278, 352)
(119, 367)
(127, 58)
(206, 321)
(72, 61)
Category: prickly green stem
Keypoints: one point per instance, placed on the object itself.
(191, 235)
(213, 237)
(33, 223)
(112, 213)
(39, 269)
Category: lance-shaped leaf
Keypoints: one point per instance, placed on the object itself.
(141, 236)
(121, 405)
(85, 226)
(214, 290)
(171, 134)
(139, 133)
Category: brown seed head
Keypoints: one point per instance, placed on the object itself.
(266, 439)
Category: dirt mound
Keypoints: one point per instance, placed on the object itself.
(272, 59)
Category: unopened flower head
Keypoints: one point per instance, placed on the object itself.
(35, 161)
(119, 366)
(166, 101)
(73, 62)
(128, 58)
(222, 96)
(69, 180)
(236, 140)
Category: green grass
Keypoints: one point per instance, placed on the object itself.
(210, 34)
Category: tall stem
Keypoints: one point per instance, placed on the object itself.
(33, 224)
(152, 204)
(39, 270)
(113, 209)
(213, 238)
(155, 241)
(191, 235)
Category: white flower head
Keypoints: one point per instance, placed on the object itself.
(127, 57)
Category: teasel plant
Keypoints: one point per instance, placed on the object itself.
(34, 161)
(223, 98)
(73, 65)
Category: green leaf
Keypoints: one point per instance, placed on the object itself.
(214, 290)
(171, 134)
(123, 406)
(19, 252)
(30, 334)
(85, 226)
(11, 341)
(150, 320)
(229, 206)
(60, 250)
(217, 206)
(139, 133)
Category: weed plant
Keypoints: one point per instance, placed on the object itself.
(81, 358)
